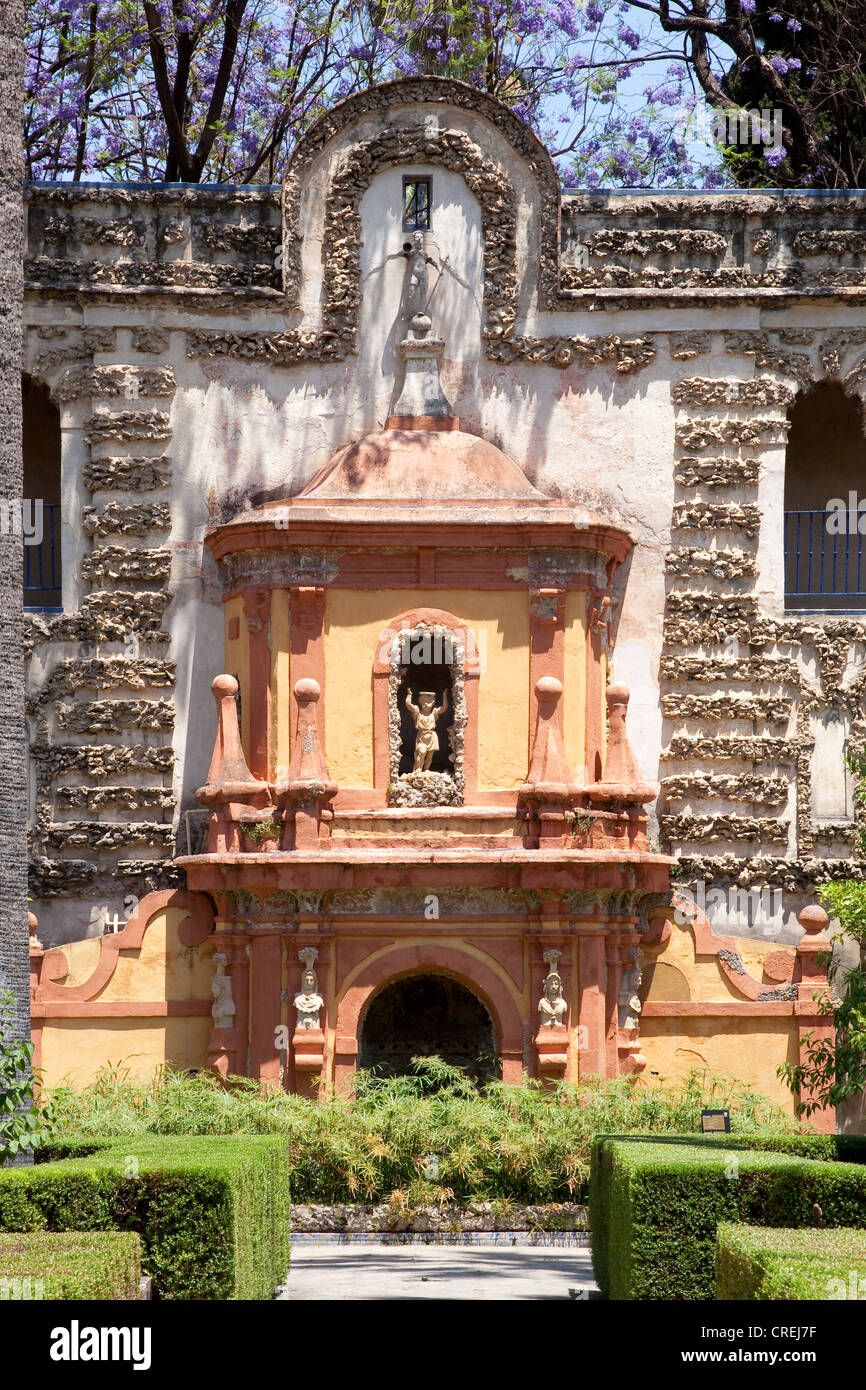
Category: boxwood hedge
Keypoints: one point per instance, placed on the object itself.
(212, 1213)
(655, 1207)
(92, 1265)
(756, 1263)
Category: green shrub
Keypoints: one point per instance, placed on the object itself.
(756, 1263)
(72, 1265)
(520, 1143)
(213, 1214)
(655, 1207)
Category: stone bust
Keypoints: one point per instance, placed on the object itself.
(223, 1011)
(308, 1001)
(552, 1006)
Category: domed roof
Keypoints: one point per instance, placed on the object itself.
(414, 464)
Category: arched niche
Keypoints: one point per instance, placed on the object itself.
(410, 123)
(426, 648)
(448, 958)
(427, 1014)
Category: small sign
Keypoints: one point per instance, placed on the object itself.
(716, 1121)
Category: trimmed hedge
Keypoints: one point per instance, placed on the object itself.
(93, 1265)
(655, 1207)
(212, 1213)
(757, 1263)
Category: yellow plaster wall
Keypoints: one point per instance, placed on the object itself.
(749, 1049)
(280, 681)
(707, 981)
(574, 685)
(82, 958)
(237, 661)
(163, 968)
(75, 1050)
(353, 624)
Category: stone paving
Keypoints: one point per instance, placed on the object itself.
(366, 1271)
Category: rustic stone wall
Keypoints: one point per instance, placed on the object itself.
(742, 681)
(102, 681)
(637, 354)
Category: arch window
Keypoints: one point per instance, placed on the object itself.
(40, 515)
(825, 488)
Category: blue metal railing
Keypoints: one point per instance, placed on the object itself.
(824, 563)
(42, 562)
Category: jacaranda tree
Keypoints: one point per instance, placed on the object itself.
(221, 89)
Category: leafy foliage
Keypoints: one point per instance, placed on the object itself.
(521, 1143)
(830, 1073)
(25, 1121)
(222, 89)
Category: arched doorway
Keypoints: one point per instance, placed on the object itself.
(423, 1016)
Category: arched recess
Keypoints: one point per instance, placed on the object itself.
(350, 143)
(427, 1014)
(443, 958)
(825, 462)
(41, 492)
(453, 641)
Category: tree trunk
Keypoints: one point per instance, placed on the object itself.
(14, 951)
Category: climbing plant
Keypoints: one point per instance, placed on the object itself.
(829, 1072)
(26, 1121)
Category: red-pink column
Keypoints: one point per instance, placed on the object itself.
(591, 1003)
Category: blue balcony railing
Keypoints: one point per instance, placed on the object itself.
(823, 567)
(42, 563)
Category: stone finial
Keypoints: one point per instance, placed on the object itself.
(813, 951)
(32, 927)
(230, 789)
(308, 785)
(228, 778)
(549, 778)
(308, 777)
(621, 780)
(813, 920)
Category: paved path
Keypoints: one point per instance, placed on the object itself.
(435, 1271)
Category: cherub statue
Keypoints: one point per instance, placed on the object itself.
(418, 284)
(426, 738)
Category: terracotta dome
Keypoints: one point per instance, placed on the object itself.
(433, 465)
